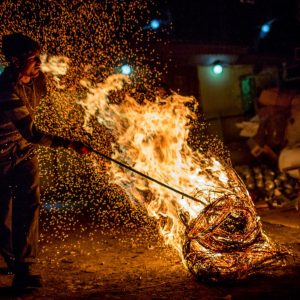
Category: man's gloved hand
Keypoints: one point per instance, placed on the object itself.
(79, 147)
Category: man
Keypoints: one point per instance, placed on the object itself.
(22, 85)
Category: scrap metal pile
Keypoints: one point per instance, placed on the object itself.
(269, 185)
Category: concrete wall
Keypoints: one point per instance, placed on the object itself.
(221, 96)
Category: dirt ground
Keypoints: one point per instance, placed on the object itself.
(135, 264)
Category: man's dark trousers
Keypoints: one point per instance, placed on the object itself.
(19, 205)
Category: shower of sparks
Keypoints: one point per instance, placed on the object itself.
(84, 40)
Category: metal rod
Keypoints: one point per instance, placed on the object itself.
(146, 176)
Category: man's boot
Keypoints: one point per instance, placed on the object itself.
(25, 279)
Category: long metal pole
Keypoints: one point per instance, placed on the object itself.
(146, 176)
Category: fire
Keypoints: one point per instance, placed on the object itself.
(217, 223)
(152, 138)
(57, 66)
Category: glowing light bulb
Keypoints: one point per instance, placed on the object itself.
(154, 24)
(126, 69)
(265, 28)
(217, 69)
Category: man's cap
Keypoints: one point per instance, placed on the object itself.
(18, 45)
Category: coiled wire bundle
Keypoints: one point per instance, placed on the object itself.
(226, 241)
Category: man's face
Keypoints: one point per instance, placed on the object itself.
(31, 65)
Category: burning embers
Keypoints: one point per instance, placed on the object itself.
(216, 230)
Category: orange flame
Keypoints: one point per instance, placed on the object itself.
(152, 138)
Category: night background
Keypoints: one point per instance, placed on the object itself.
(235, 21)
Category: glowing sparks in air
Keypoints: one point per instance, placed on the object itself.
(82, 41)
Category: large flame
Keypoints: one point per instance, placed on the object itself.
(152, 138)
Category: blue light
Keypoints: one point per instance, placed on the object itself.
(217, 69)
(126, 69)
(265, 28)
(155, 24)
